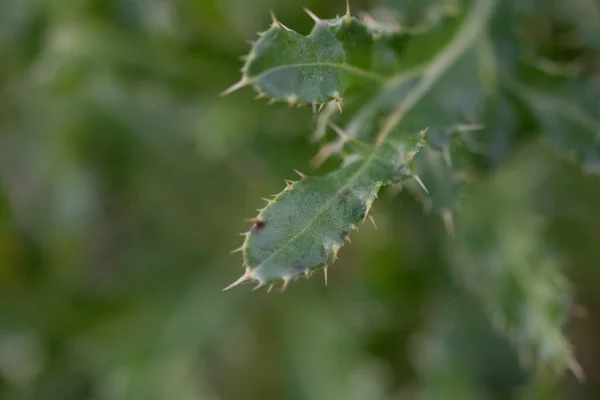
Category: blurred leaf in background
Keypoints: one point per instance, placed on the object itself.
(124, 181)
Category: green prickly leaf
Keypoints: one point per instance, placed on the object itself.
(500, 254)
(304, 226)
(301, 229)
(289, 66)
(566, 111)
(554, 80)
(338, 55)
(455, 96)
(445, 165)
(453, 102)
(448, 77)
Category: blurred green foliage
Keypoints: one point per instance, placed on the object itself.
(124, 180)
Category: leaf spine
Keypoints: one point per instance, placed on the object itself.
(292, 100)
(312, 16)
(239, 249)
(276, 23)
(284, 285)
(420, 182)
(373, 221)
(347, 16)
(302, 176)
(246, 277)
(236, 86)
(338, 102)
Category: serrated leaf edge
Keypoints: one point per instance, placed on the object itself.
(467, 36)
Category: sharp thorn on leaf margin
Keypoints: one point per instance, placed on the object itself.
(373, 221)
(285, 283)
(348, 16)
(338, 102)
(274, 18)
(312, 15)
(277, 23)
(420, 182)
(239, 249)
(236, 86)
(302, 176)
(246, 277)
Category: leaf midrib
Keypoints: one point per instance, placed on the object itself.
(347, 67)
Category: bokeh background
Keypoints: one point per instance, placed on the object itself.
(124, 182)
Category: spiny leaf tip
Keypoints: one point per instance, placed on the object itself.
(348, 16)
(285, 283)
(302, 176)
(420, 182)
(246, 277)
(236, 86)
(239, 249)
(276, 23)
(338, 102)
(312, 15)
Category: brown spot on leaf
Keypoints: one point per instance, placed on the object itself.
(343, 197)
(257, 226)
(344, 235)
